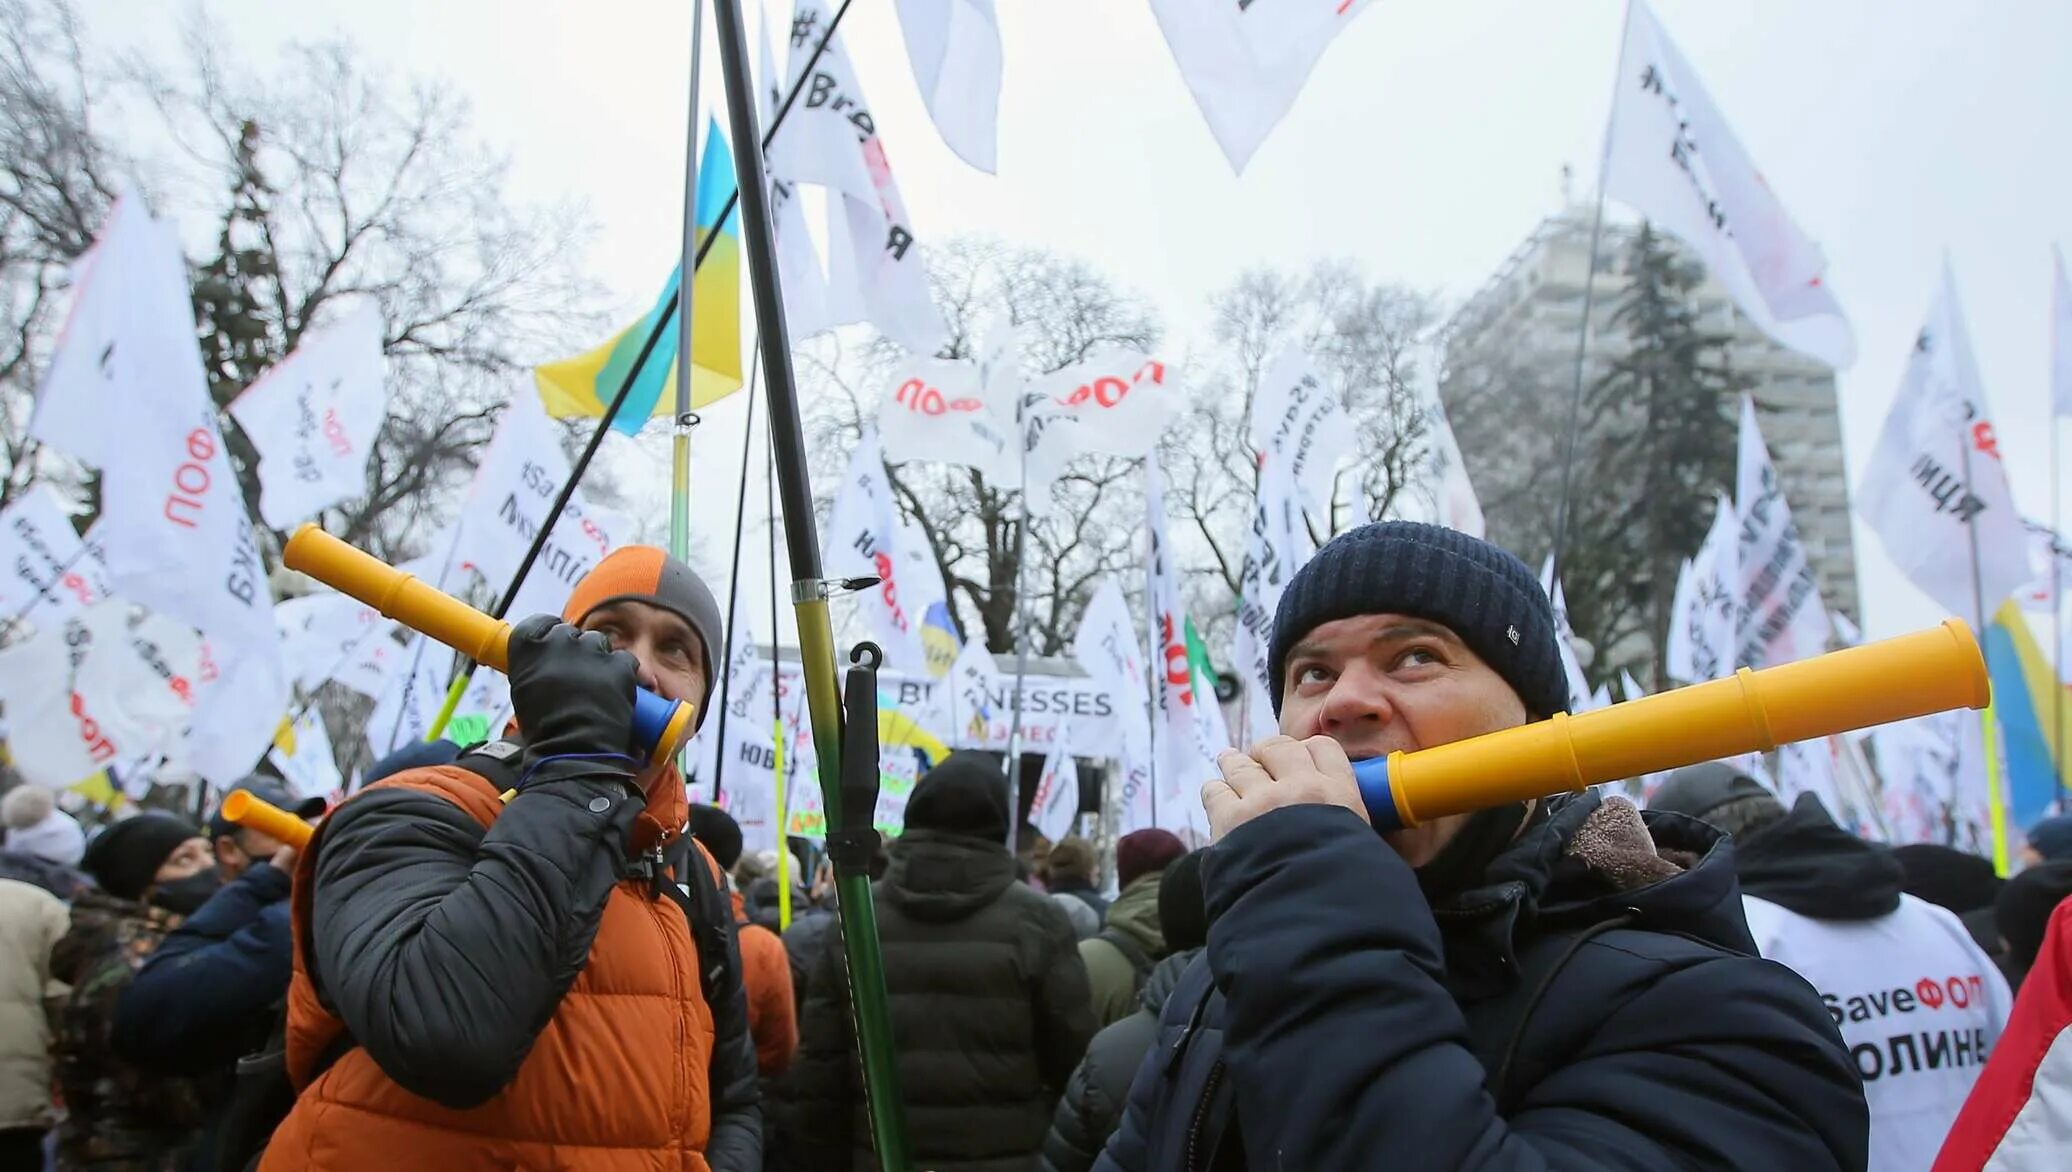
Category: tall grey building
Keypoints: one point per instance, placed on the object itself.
(1526, 318)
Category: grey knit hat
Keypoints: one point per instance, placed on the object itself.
(1475, 589)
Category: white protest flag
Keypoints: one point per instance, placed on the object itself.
(1934, 774)
(1246, 61)
(2060, 337)
(313, 418)
(1190, 724)
(1299, 423)
(138, 673)
(126, 391)
(513, 490)
(1580, 698)
(1670, 155)
(331, 636)
(406, 708)
(862, 536)
(46, 572)
(1459, 508)
(970, 703)
(1275, 548)
(744, 673)
(2050, 560)
(309, 766)
(954, 46)
(927, 596)
(934, 410)
(1934, 491)
(1054, 807)
(830, 139)
(53, 738)
(1704, 617)
(807, 306)
(1107, 646)
(1648, 783)
(1782, 618)
(1116, 403)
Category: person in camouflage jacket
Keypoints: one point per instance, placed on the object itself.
(152, 870)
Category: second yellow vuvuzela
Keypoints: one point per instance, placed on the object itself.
(1894, 679)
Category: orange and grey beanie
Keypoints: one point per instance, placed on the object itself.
(643, 573)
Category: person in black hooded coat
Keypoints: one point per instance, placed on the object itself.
(1092, 1105)
(1555, 983)
(988, 995)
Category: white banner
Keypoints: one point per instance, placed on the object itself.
(1190, 730)
(1782, 618)
(1670, 154)
(126, 391)
(830, 139)
(862, 537)
(1246, 61)
(513, 490)
(46, 572)
(808, 308)
(311, 771)
(138, 674)
(1934, 774)
(954, 46)
(1934, 490)
(2050, 558)
(54, 738)
(313, 417)
(1704, 618)
(1107, 647)
(1458, 506)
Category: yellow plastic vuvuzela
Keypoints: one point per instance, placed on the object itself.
(1926, 672)
(266, 818)
(660, 726)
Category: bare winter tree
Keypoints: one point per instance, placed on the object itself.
(1369, 339)
(1065, 310)
(327, 182)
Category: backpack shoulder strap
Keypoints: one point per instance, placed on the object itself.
(705, 909)
(1130, 949)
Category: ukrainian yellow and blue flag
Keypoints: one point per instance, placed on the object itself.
(2025, 699)
(585, 384)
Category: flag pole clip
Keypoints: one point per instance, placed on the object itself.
(806, 590)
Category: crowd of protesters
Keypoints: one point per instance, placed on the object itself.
(537, 953)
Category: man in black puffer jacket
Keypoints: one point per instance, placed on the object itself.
(988, 994)
(1544, 984)
(1093, 1100)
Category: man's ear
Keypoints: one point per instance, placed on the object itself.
(228, 852)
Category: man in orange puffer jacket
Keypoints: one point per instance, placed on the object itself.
(483, 983)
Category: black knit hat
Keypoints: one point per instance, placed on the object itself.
(716, 830)
(125, 858)
(1476, 590)
(965, 794)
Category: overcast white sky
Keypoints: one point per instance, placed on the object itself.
(1427, 144)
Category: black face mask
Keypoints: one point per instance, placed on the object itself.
(184, 897)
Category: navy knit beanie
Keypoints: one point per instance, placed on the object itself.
(1473, 588)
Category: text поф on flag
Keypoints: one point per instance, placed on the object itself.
(126, 391)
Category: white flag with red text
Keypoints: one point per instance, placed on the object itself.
(1670, 154)
(313, 418)
(46, 572)
(1190, 729)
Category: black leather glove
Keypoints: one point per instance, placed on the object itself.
(573, 695)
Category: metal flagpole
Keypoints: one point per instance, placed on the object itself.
(848, 830)
(680, 433)
(719, 759)
(2057, 631)
(779, 764)
(1995, 807)
(1575, 402)
(1021, 658)
(611, 409)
